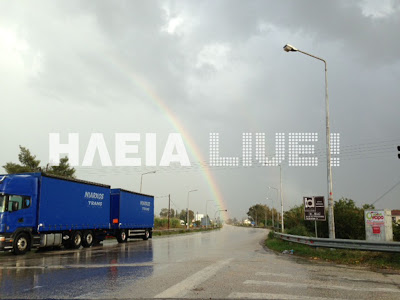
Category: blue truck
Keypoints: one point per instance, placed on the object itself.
(43, 210)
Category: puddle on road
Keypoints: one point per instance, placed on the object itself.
(38, 274)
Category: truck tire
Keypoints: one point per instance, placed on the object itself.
(87, 239)
(122, 237)
(22, 244)
(76, 240)
(146, 235)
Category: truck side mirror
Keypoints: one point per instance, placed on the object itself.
(15, 206)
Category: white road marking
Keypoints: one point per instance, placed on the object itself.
(319, 286)
(274, 274)
(181, 288)
(274, 296)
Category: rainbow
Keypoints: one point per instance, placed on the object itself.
(176, 123)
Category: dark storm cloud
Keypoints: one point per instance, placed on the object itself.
(221, 69)
(325, 21)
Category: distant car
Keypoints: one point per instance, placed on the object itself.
(182, 222)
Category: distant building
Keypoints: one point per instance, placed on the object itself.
(198, 217)
(247, 222)
(205, 221)
(396, 216)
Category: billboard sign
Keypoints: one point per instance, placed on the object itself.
(378, 225)
(314, 208)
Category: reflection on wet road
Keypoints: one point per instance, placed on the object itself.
(71, 273)
(228, 263)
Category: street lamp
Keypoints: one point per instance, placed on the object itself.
(207, 212)
(272, 212)
(187, 211)
(290, 48)
(277, 197)
(265, 216)
(281, 192)
(141, 178)
(280, 176)
(216, 206)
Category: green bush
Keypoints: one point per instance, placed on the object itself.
(271, 235)
(163, 223)
(349, 221)
(396, 232)
(299, 230)
(175, 223)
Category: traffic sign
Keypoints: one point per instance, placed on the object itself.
(314, 208)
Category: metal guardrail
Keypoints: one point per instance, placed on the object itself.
(341, 243)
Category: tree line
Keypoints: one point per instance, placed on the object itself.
(29, 164)
(261, 215)
(175, 214)
(349, 220)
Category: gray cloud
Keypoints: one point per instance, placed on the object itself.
(217, 66)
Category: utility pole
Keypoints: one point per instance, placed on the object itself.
(265, 218)
(187, 210)
(272, 210)
(272, 213)
(207, 213)
(331, 223)
(277, 199)
(283, 225)
(169, 207)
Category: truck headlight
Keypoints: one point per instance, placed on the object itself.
(2, 238)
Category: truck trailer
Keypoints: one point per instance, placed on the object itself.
(43, 210)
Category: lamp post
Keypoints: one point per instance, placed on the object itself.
(265, 216)
(290, 48)
(141, 178)
(187, 210)
(277, 197)
(216, 207)
(281, 192)
(272, 212)
(207, 212)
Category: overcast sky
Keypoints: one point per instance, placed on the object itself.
(196, 67)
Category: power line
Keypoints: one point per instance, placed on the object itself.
(351, 152)
(387, 192)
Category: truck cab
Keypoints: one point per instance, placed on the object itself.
(18, 194)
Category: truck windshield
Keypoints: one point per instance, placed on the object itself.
(2, 203)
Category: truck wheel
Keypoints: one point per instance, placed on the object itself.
(21, 244)
(146, 235)
(88, 239)
(76, 240)
(122, 237)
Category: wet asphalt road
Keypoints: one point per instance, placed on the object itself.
(228, 263)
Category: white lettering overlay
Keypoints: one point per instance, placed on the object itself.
(126, 146)
(301, 151)
(300, 147)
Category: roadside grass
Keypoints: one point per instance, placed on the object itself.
(372, 259)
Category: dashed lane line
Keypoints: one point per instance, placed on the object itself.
(181, 288)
